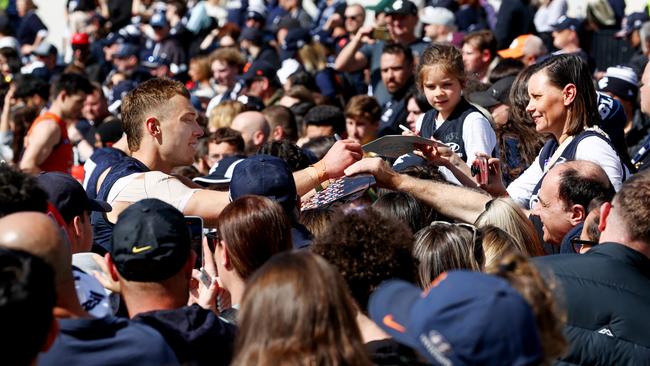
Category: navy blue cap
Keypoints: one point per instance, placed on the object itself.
(158, 20)
(152, 62)
(118, 92)
(254, 14)
(251, 34)
(68, 195)
(296, 39)
(565, 22)
(465, 318)
(150, 241)
(126, 50)
(260, 69)
(633, 22)
(221, 172)
(45, 49)
(264, 175)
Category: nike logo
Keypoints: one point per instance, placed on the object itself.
(391, 323)
(137, 250)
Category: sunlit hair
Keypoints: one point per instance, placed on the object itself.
(247, 248)
(150, 97)
(563, 70)
(442, 247)
(296, 310)
(496, 244)
(223, 114)
(507, 216)
(313, 56)
(524, 277)
(442, 55)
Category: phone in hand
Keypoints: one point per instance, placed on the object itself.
(195, 225)
(380, 34)
(480, 170)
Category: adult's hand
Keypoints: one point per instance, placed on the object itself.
(340, 156)
(495, 186)
(386, 177)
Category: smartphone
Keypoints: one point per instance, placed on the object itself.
(480, 170)
(195, 224)
(380, 34)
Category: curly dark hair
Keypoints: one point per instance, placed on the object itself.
(367, 248)
(20, 192)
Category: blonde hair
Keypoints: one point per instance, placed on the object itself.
(507, 216)
(313, 57)
(497, 244)
(223, 114)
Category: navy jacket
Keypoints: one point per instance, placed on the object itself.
(606, 293)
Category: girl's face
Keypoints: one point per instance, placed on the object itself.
(546, 105)
(443, 91)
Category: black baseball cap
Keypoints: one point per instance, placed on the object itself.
(401, 7)
(260, 69)
(150, 241)
(496, 94)
(68, 195)
(264, 175)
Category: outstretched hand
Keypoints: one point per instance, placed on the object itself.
(340, 156)
(386, 177)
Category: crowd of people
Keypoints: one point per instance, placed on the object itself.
(156, 168)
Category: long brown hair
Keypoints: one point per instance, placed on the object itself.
(296, 310)
(254, 228)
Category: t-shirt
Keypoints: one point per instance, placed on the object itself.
(153, 184)
(107, 341)
(592, 148)
(29, 28)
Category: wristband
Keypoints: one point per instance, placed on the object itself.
(321, 170)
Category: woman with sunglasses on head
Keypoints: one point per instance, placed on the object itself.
(251, 230)
(443, 246)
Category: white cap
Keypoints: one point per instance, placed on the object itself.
(289, 67)
(624, 73)
(438, 16)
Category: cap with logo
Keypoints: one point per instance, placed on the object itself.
(516, 48)
(80, 39)
(565, 22)
(296, 39)
(401, 7)
(631, 23)
(150, 241)
(621, 81)
(221, 172)
(465, 318)
(259, 69)
(158, 20)
(495, 95)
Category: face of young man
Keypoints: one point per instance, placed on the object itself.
(180, 132)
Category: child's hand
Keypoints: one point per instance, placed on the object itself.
(438, 154)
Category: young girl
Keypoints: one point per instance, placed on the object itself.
(453, 121)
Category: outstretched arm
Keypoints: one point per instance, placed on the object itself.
(456, 202)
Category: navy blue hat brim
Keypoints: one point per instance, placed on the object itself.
(390, 308)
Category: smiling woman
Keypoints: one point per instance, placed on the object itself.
(563, 103)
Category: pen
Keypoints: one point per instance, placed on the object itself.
(405, 129)
(337, 137)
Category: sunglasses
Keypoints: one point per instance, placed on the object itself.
(353, 17)
(578, 244)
